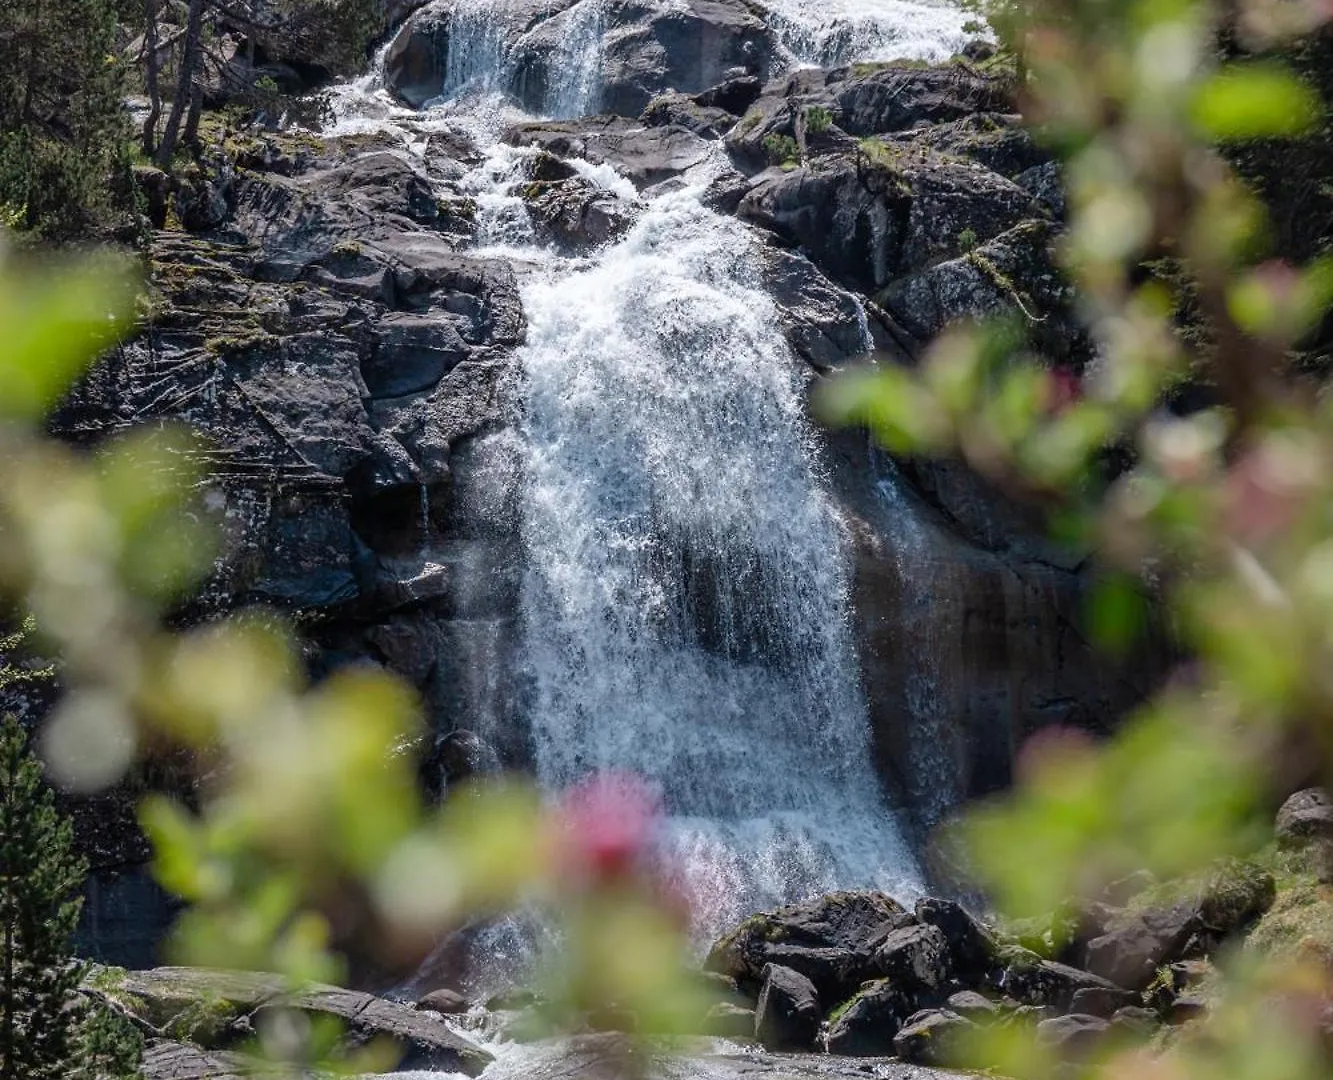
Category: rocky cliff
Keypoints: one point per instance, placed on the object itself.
(338, 315)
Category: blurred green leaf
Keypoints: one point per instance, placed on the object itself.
(1255, 100)
(904, 415)
(56, 321)
(1118, 613)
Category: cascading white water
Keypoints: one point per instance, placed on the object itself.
(686, 603)
(485, 49)
(685, 608)
(828, 33)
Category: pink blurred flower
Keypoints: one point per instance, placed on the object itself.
(1264, 495)
(605, 826)
(1064, 388)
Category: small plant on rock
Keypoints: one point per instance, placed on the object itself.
(818, 119)
(782, 149)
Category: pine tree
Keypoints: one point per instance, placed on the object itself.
(40, 879)
(63, 130)
(47, 1028)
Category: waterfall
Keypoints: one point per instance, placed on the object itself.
(685, 599)
(685, 609)
(574, 82)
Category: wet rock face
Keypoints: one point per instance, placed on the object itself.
(969, 626)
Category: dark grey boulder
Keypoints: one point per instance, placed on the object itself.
(814, 108)
(414, 67)
(887, 98)
(997, 141)
(915, 958)
(866, 1025)
(1097, 1001)
(1011, 274)
(1305, 818)
(826, 940)
(1130, 953)
(447, 1002)
(410, 354)
(972, 947)
(1187, 1007)
(1072, 1037)
(787, 1015)
(683, 110)
(1032, 980)
(733, 96)
(931, 1037)
(870, 217)
(824, 324)
(644, 155)
(647, 49)
(1134, 1022)
(574, 214)
(688, 47)
(972, 1005)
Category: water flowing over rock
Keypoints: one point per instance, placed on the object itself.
(576, 57)
(505, 377)
(684, 605)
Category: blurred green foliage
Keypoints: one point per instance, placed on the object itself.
(305, 834)
(1224, 516)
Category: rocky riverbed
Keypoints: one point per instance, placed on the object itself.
(850, 984)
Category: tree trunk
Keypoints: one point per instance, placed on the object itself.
(190, 136)
(185, 79)
(151, 76)
(34, 59)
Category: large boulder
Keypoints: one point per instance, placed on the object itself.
(1130, 953)
(825, 940)
(869, 217)
(972, 947)
(643, 155)
(1305, 818)
(931, 1037)
(1032, 980)
(1073, 1037)
(1235, 894)
(861, 101)
(915, 958)
(787, 1015)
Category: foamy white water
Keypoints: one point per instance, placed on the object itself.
(828, 33)
(685, 610)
